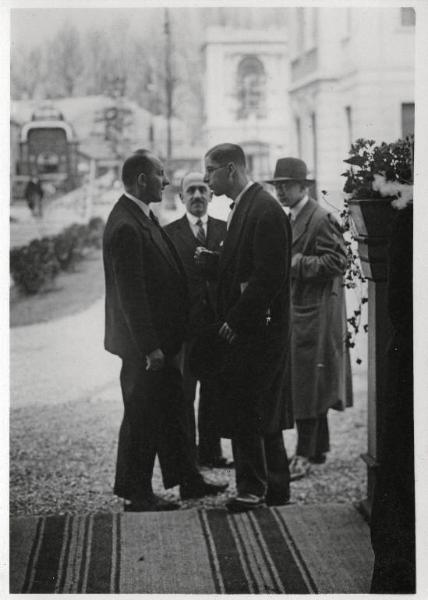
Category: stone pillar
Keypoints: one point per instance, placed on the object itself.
(373, 219)
(379, 331)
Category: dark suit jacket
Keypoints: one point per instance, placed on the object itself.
(146, 292)
(253, 284)
(202, 293)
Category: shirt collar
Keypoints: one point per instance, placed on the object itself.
(192, 219)
(298, 207)
(144, 207)
(242, 192)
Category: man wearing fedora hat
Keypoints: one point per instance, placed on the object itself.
(321, 375)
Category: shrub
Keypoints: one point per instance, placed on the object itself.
(34, 267)
(95, 232)
(70, 246)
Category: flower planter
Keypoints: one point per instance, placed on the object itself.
(373, 219)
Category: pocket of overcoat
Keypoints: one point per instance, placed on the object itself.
(306, 326)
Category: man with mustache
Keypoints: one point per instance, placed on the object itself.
(196, 229)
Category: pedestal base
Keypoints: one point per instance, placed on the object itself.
(365, 506)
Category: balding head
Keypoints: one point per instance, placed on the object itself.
(195, 194)
(143, 176)
(192, 178)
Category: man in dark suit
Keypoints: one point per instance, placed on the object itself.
(195, 229)
(321, 371)
(254, 310)
(146, 320)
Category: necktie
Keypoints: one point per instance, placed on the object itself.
(154, 218)
(200, 234)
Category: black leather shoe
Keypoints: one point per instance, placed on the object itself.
(150, 504)
(319, 459)
(277, 500)
(201, 488)
(221, 462)
(244, 503)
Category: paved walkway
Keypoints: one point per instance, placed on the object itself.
(61, 360)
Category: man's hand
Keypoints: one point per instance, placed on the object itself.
(227, 333)
(155, 360)
(202, 256)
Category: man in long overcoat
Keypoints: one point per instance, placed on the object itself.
(145, 324)
(321, 375)
(254, 315)
(196, 228)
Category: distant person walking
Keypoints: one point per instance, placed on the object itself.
(321, 373)
(34, 196)
(195, 229)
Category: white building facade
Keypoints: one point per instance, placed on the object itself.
(247, 94)
(351, 76)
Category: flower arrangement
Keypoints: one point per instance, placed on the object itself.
(375, 172)
(378, 171)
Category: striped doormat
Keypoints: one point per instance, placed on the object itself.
(295, 549)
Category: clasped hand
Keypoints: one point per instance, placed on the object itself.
(202, 256)
(155, 360)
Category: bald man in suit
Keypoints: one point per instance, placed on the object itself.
(145, 325)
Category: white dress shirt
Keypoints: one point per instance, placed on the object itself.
(193, 220)
(144, 207)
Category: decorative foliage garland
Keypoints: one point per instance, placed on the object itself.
(353, 279)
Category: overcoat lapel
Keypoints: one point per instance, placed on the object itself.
(236, 227)
(211, 232)
(303, 219)
(152, 230)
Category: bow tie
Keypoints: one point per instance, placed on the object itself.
(232, 206)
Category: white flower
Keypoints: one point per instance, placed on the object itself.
(402, 191)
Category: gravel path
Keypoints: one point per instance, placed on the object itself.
(62, 458)
(65, 412)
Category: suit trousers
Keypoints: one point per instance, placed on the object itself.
(261, 465)
(209, 444)
(313, 438)
(154, 423)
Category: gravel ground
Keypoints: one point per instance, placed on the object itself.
(62, 458)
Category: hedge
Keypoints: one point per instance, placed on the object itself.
(35, 266)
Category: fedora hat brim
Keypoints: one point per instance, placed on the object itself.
(279, 179)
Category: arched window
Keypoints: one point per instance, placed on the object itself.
(251, 83)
